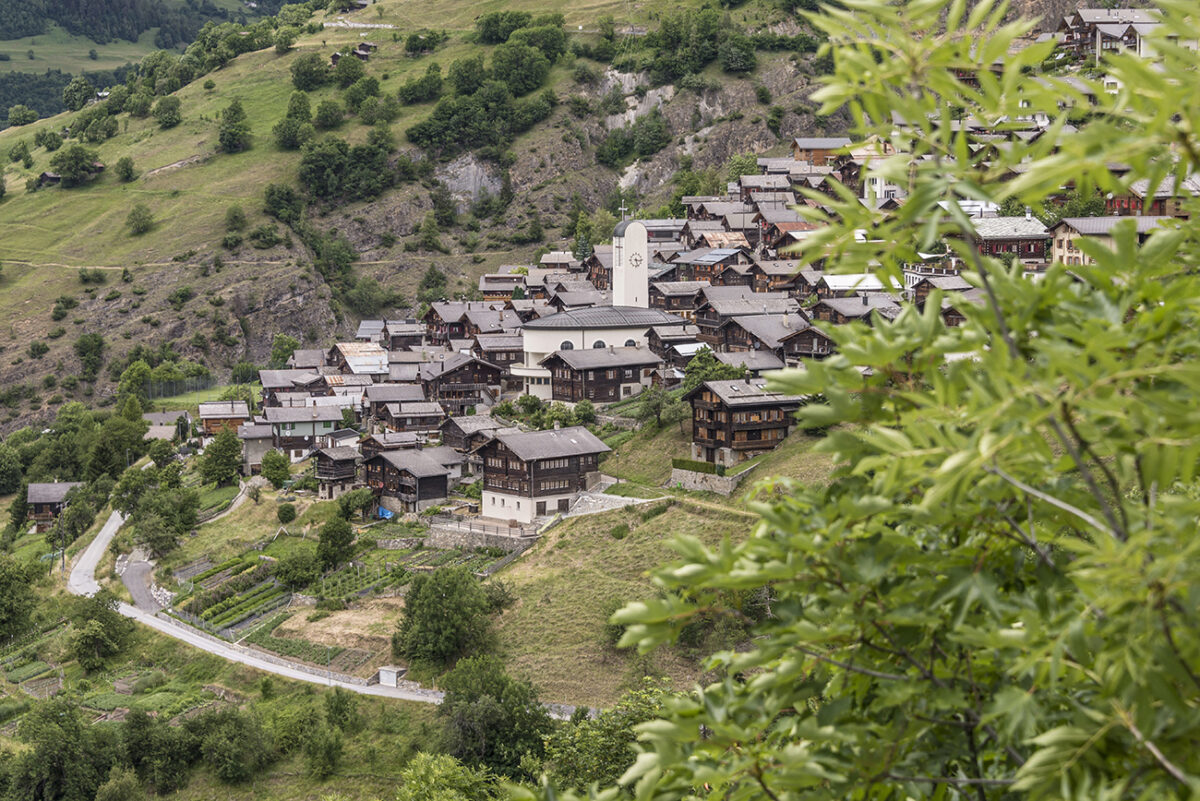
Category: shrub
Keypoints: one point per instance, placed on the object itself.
(619, 531)
(124, 169)
(140, 220)
(286, 513)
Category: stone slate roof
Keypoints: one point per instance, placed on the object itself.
(394, 393)
(221, 409)
(679, 288)
(772, 329)
(1010, 228)
(820, 142)
(604, 317)
(553, 444)
(1102, 226)
(473, 423)
(754, 360)
(746, 392)
(50, 492)
(340, 454)
(415, 462)
(605, 358)
(855, 307)
(165, 418)
(302, 414)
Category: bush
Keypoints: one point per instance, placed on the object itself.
(167, 112)
(329, 114)
(124, 169)
(619, 531)
(140, 220)
(286, 513)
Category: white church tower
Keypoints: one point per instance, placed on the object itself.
(631, 265)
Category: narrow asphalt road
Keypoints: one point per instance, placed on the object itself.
(137, 578)
(82, 581)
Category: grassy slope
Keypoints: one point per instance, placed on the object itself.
(569, 583)
(85, 226)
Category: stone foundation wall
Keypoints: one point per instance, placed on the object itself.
(705, 482)
(449, 538)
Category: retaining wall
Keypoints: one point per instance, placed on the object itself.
(706, 482)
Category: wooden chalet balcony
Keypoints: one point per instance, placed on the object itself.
(336, 474)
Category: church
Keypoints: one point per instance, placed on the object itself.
(626, 323)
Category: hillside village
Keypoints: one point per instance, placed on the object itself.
(503, 466)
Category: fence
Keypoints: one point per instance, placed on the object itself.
(472, 525)
(496, 566)
(182, 386)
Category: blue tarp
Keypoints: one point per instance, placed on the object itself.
(384, 514)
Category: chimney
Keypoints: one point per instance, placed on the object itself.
(865, 302)
(557, 425)
(610, 349)
(1028, 213)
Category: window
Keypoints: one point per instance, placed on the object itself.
(628, 373)
(629, 343)
(599, 344)
(566, 344)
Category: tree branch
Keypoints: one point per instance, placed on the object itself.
(1117, 530)
(1159, 756)
(852, 668)
(1020, 536)
(955, 780)
(1166, 627)
(1050, 499)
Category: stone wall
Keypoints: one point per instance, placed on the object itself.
(400, 543)
(706, 482)
(450, 538)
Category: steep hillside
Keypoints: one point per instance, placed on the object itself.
(242, 296)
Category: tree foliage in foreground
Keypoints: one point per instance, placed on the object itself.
(996, 594)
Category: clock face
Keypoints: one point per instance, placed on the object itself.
(635, 260)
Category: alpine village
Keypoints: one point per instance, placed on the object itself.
(447, 401)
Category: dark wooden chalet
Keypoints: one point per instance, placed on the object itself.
(444, 320)
(840, 311)
(723, 303)
(502, 350)
(661, 338)
(407, 480)
(458, 431)
(46, 502)
(528, 474)
(791, 337)
(399, 334)
(217, 416)
(416, 416)
(1007, 237)
(602, 375)
(387, 441)
(460, 382)
(676, 297)
(947, 283)
(736, 420)
(818, 150)
(378, 396)
(337, 471)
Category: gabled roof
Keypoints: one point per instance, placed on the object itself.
(671, 333)
(820, 142)
(363, 357)
(856, 282)
(772, 329)
(553, 444)
(948, 283)
(165, 418)
(369, 329)
(416, 409)
(499, 341)
(394, 439)
(444, 455)
(1103, 226)
(603, 317)
(307, 358)
(394, 393)
(757, 303)
(215, 410)
(472, 423)
(1009, 228)
(678, 288)
(605, 358)
(746, 392)
(856, 307)
(50, 492)
(339, 454)
(753, 360)
(255, 431)
(414, 462)
(302, 414)
(432, 370)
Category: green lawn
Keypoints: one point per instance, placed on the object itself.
(58, 50)
(215, 498)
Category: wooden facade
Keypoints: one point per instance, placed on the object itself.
(407, 480)
(337, 471)
(736, 420)
(506, 473)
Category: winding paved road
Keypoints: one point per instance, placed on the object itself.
(82, 581)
